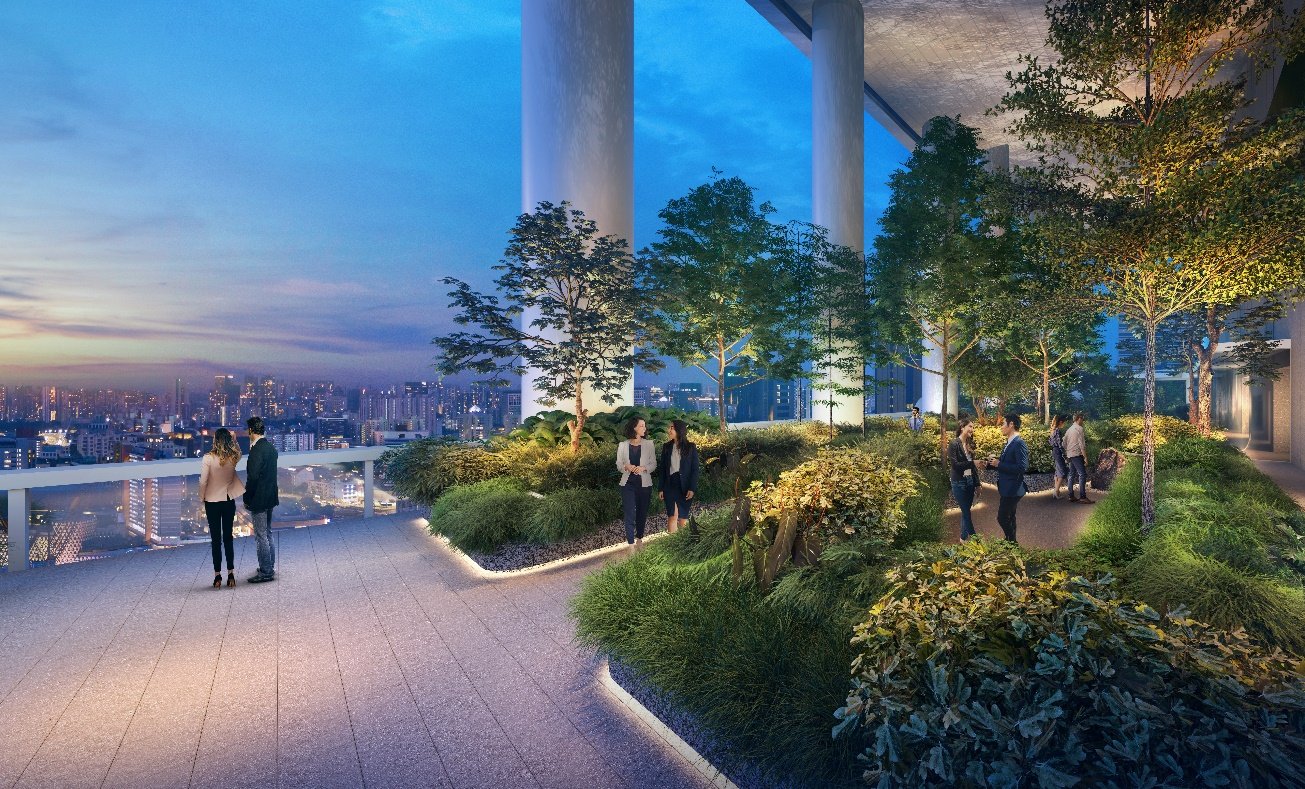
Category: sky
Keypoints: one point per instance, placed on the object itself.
(278, 187)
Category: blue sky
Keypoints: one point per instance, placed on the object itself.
(279, 186)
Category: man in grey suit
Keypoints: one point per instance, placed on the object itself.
(1011, 466)
(261, 496)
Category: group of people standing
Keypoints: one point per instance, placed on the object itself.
(219, 486)
(637, 459)
(1068, 451)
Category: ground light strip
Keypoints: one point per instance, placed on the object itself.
(714, 777)
(536, 568)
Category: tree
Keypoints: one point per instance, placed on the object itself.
(723, 280)
(936, 255)
(990, 375)
(1180, 198)
(583, 317)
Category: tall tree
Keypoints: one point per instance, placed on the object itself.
(584, 319)
(723, 281)
(933, 259)
(1185, 199)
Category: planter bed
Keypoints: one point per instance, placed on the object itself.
(526, 555)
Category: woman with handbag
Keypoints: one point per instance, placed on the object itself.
(1057, 442)
(636, 460)
(679, 478)
(219, 487)
(964, 473)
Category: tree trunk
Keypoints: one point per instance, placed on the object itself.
(720, 383)
(942, 408)
(1205, 374)
(1046, 387)
(577, 425)
(1148, 432)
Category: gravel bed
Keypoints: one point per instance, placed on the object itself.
(523, 555)
(742, 772)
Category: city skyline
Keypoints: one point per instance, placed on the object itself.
(201, 191)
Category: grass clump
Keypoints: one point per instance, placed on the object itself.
(571, 512)
(482, 516)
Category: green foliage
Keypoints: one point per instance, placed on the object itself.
(572, 512)
(423, 470)
(838, 494)
(550, 427)
(725, 282)
(546, 469)
(1125, 432)
(1108, 692)
(1113, 534)
(584, 325)
(988, 441)
(483, 516)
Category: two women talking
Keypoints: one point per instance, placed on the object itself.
(637, 459)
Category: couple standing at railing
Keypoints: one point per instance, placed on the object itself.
(219, 486)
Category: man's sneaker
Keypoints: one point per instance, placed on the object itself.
(259, 578)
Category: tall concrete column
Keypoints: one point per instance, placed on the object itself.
(838, 142)
(577, 125)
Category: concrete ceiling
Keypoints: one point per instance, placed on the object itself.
(925, 58)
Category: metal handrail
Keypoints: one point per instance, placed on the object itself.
(19, 482)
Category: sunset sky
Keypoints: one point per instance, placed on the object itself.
(278, 187)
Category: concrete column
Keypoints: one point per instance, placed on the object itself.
(577, 125)
(369, 488)
(838, 141)
(1296, 385)
(19, 552)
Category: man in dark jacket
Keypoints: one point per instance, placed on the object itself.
(261, 497)
(1011, 466)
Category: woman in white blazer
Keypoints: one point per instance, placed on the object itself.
(219, 487)
(636, 459)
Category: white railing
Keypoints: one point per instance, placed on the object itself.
(20, 483)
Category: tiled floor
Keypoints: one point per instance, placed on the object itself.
(375, 659)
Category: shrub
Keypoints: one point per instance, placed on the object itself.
(973, 670)
(904, 448)
(1113, 534)
(547, 469)
(423, 470)
(988, 441)
(1125, 432)
(568, 513)
(550, 427)
(838, 494)
(483, 516)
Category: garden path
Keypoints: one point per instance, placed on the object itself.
(1288, 477)
(376, 659)
(1041, 521)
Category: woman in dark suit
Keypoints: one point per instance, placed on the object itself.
(679, 477)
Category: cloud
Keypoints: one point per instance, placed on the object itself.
(316, 289)
(410, 25)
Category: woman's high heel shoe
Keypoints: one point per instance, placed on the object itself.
(231, 579)
(217, 580)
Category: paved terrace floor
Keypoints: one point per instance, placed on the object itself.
(377, 659)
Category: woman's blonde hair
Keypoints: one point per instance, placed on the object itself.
(225, 447)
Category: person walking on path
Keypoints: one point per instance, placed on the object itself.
(965, 475)
(636, 459)
(260, 497)
(1011, 466)
(916, 421)
(1076, 452)
(1057, 443)
(218, 488)
(679, 475)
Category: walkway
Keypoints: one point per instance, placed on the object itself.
(1041, 521)
(375, 660)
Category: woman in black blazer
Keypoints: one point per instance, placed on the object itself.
(679, 474)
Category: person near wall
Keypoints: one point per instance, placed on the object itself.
(1011, 467)
(679, 474)
(1058, 457)
(1076, 452)
(636, 460)
(260, 497)
(915, 421)
(218, 488)
(964, 473)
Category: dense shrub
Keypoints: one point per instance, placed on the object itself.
(423, 470)
(572, 512)
(483, 516)
(550, 428)
(989, 442)
(974, 670)
(1125, 432)
(838, 494)
(546, 469)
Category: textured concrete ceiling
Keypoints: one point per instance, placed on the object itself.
(926, 58)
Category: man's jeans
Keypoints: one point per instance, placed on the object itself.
(263, 542)
(963, 492)
(1078, 473)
